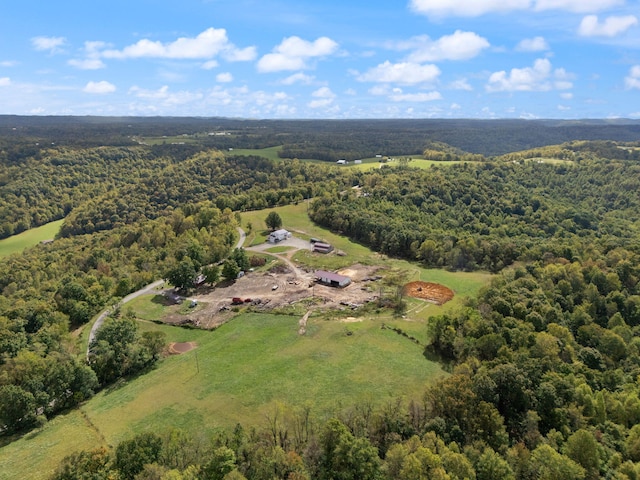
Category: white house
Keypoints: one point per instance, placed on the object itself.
(279, 235)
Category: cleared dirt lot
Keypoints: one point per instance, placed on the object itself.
(283, 284)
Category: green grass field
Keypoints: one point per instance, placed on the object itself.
(24, 240)
(271, 152)
(248, 367)
(239, 373)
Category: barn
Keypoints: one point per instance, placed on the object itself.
(332, 279)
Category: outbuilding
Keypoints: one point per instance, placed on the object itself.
(332, 279)
(322, 247)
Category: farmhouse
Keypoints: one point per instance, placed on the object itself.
(279, 235)
(332, 279)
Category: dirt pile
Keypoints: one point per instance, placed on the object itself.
(433, 292)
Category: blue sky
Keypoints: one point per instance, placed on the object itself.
(329, 59)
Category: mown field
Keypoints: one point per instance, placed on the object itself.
(255, 364)
(24, 240)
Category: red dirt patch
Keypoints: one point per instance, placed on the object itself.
(178, 348)
(432, 292)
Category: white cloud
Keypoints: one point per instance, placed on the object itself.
(99, 87)
(458, 46)
(5, 81)
(8, 63)
(466, 8)
(536, 44)
(474, 8)
(293, 53)
(298, 78)
(224, 77)
(566, 95)
(87, 63)
(540, 77)
(405, 73)
(92, 57)
(52, 44)
(208, 44)
(166, 98)
(612, 26)
(415, 97)
(633, 79)
(461, 84)
(577, 6)
(323, 98)
(210, 65)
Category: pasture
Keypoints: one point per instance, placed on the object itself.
(18, 243)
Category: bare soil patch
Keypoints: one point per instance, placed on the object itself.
(432, 292)
(178, 348)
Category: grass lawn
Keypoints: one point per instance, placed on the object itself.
(33, 236)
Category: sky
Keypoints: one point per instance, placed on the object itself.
(321, 59)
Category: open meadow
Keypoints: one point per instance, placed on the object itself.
(18, 243)
(257, 363)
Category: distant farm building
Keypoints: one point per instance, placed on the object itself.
(279, 235)
(332, 279)
(341, 162)
(321, 247)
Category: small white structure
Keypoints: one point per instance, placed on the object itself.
(279, 235)
(341, 162)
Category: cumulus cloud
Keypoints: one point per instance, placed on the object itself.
(294, 52)
(208, 44)
(576, 6)
(224, 77)
(165, 97)
(535, 44)
(323, 98)
(99, 87)
(405, 73)
(298, 78)
(50, 44)
(539, 77)
(474, 8)
(5, 81)
(461, 84)
(458, 46)
(399, 96)
(612, 26)
(210, 65)
(633, 79)
(87, 63)
(91, 60)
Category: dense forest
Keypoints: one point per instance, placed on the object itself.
(543, 364)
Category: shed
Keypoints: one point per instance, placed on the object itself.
(322, 247)
(332, 279)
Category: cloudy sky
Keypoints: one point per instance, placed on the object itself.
(322, 59)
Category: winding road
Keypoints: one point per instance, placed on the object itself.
(143, 291)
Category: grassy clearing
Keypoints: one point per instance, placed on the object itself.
(271, 152)
(33, 236)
